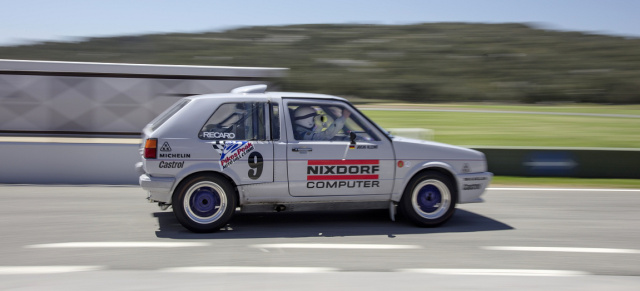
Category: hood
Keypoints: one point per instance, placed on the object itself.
(407, 148)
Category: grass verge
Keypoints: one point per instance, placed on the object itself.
(492, 129)
(501, 181)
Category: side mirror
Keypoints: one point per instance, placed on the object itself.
(352, 136)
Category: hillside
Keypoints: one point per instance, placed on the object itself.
(438, 62)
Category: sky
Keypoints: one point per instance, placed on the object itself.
(28, 21)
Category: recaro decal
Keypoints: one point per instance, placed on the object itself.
(232, 151)
(343, 173)
(214, 134)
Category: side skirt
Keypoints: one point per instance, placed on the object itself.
(313, 206)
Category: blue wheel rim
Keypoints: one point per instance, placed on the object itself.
(205, 202)
(431, 199)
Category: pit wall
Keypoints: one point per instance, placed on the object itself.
(109, 163)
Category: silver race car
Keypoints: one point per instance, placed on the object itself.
(209, 156)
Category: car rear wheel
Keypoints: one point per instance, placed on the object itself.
(429, 199)
(204, 203)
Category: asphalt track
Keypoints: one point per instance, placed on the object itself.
(109, 238)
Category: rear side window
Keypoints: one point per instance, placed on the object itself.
(164, 116)
(275, 122)
(236, 121)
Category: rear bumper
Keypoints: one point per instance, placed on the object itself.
(159, 189)
(471, 186)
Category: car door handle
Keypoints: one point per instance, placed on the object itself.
(302, 149)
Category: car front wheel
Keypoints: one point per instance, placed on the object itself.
(204, 203)
(429, 199)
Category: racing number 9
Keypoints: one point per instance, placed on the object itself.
(256, 164)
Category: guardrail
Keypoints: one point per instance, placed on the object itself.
(563, 162)
(26, 160)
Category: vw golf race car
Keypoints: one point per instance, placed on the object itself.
(211, 155)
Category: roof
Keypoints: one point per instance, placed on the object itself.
(259, 90)
(269, 95)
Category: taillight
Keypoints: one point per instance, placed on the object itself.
(151, 148)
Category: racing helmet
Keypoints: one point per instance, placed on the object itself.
(302, 113)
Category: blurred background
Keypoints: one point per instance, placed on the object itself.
(478, 74)
(549, 90)
(415, 51)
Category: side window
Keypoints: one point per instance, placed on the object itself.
(236, 121)
(158, 121)
(275, 122)
(331, 121)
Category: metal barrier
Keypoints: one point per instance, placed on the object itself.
(563, 162)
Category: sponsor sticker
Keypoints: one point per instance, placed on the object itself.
(171, 165)
(232, 151)
(471, 186)
(476, 179)
(367, 147)
(165, 147)
(343, 173)
(174, 156)
(218, 135)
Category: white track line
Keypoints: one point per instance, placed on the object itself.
(563, 249)
(497, 272)
(26, 270)
(263, 270)
(336, 246)
(560, 189)
(119, 245)
(22, 270)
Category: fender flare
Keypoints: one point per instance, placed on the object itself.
(441, 167)
(199, 169)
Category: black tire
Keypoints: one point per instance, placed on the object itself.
(429, 199)
(204, 203)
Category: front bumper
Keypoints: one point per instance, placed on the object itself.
(472, 185)
(159, 188)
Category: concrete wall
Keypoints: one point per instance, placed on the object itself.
(69, 162)
(102, 98)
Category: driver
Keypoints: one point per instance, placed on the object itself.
(305, 126)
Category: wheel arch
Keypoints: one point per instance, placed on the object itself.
(205, 173)
(437, 167)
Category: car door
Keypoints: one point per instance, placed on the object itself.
(324, 159)
(240, 144)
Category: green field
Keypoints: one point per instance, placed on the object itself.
(506, 181)
(515, 129)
